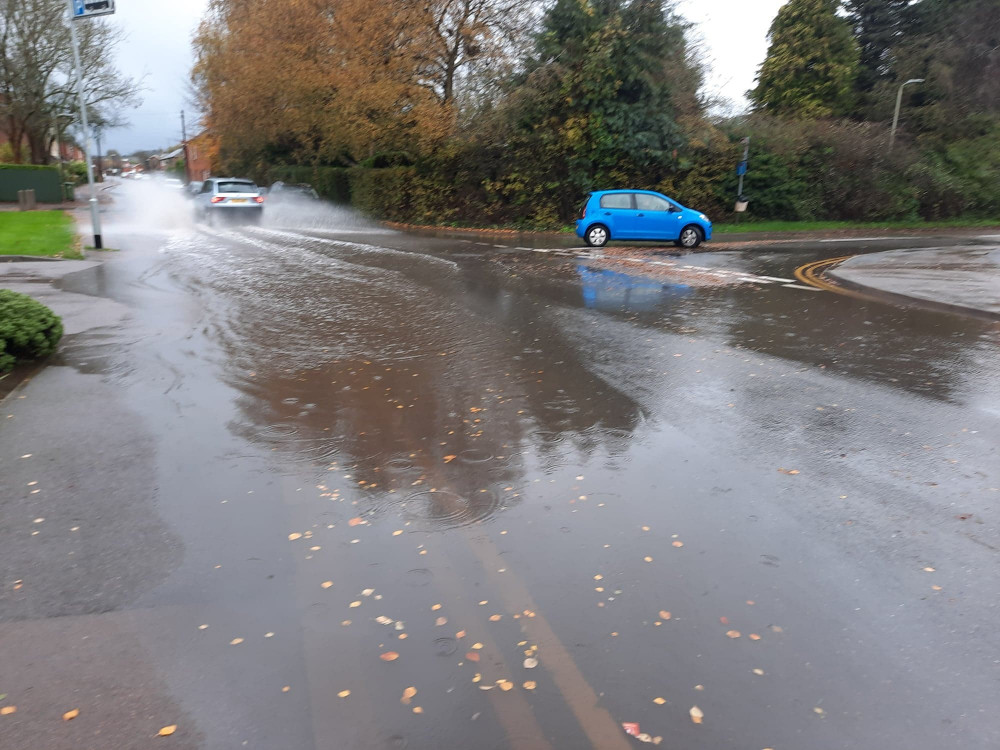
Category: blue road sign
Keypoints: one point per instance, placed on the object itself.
(88, 8)
(741, 168)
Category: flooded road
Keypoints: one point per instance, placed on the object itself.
(331, 486)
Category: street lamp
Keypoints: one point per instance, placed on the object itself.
(899, 103)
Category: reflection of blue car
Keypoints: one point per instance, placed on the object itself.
(604, 289)
(640, 215)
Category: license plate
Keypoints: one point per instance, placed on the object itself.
(237, 200)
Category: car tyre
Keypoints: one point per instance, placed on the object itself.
(691, 236)
(597, 235)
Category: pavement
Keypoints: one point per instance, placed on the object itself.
(960, 278)
(317, 485)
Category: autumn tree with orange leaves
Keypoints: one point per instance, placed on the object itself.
(336, 81)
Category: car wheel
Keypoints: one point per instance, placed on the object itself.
(690, 238)
(597, 235)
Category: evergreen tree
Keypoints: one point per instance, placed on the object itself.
(811, 63)
(603, 97)
(878, 26)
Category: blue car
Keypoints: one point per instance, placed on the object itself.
(640, 215)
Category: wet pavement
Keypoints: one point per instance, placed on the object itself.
(331, 486)
(965, 279)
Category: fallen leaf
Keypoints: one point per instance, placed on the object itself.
(167, 731)
(397, 532)
(819, 711)
(460, 634)
(326, 584)
(505, 685)
(631, 728)
(724, 620)
(758, 672)
(647, 558)
(418, 710)
(696, 714)
(659, 701)
(7, 710)
(664, 615)
(286, 688)
(472, 656)
(477, 646)
(71, 714)
(530, 685)
(355, 604)
(530, 663)
(449, 459)
(292, 537)
(929, 570)
(435, 607)
(495, 618)
(408, 695)
(789, 471)
(754, 637)
(389, 656)
(935, 587)
(598, 577)
(356, 521)
(677, 543)
(367, 592)
(343, 693)
(236, 641)
(441, 621)
(383, 620)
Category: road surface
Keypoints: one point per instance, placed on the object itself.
(330, 486)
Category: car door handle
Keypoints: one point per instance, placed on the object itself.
(607, 213)
(642, 214)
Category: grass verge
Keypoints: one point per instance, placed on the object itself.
(834, 226)
(38, 233)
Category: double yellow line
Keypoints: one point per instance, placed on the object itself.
(810, 274)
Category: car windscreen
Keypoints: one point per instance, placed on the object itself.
(236, 187)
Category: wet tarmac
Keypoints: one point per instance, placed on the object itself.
(332, 486)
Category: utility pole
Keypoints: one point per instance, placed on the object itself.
(184, 145)
(78, 9)
(899, 103)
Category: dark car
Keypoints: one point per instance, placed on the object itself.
(282, 190)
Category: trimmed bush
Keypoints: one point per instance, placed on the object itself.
(28, 329)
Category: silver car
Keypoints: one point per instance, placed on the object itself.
(229, 199)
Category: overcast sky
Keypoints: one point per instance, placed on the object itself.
(158, 47)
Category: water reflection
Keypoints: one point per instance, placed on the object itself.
(604, 289)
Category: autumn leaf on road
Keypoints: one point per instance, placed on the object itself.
(389, 656)
(696, 715)
(72, 714)
(167, 730)
(789, 471)
(449, 459)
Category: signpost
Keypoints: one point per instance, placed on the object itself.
(79, 9)
(741, 169)
(89, 8)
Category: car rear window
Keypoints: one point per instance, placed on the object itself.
(616, 200)
(237, 187)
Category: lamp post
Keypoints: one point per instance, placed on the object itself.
(80, 9)
(899, 103)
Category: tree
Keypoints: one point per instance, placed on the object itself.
(605, 99)
(953, 44)
(811, 63)
(878, 26)
(37, 82)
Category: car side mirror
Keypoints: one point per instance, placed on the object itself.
(674, 209)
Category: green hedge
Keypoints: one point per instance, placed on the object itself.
(28, 329)
(45, 181)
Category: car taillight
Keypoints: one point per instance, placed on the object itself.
(217, 199)
(258, 199)
(583, 211)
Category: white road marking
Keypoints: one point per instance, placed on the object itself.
(804, 288)
(777, 278)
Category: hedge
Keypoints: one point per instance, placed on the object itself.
(28, 329)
